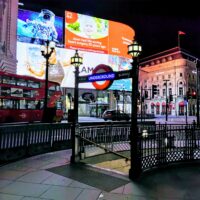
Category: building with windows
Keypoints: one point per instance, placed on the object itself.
(169, 78)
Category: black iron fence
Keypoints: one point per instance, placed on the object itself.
(158, 144)
(18, 141)
(169, 144)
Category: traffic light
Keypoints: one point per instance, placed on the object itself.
(170, 97)
(188, 95)
(116, 94)
(138, 95)
(145, 94)
(154, 90)
(194, 95)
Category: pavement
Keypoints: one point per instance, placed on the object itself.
(51, 177)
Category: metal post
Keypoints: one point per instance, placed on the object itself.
(46, 54)
(76, 61)
(123, 100)
(141, 102)
(166, 109)
(46, 88)
(186, 121)
(76, 95)
(197, 95)
(75, 121)
(135, 170)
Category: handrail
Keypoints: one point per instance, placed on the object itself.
(107, 150)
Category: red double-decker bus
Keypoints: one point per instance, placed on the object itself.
(22, 98)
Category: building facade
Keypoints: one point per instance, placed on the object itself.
(174, 75)
(8, 36)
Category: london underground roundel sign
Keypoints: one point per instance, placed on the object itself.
(102, 85)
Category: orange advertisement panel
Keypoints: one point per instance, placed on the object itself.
(120, 36)
(97, 35)
(86, 32)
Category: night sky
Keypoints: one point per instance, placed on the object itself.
(156, 23)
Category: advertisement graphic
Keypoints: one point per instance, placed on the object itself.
(93, 34)
(32, 63)
(34, 27)
(86, 32)
(99, 41)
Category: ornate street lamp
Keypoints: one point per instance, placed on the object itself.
(76, 61)
(46, 53)
(134, 50)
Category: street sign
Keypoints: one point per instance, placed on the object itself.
(83, 79)
(105, 76)
(123, 74)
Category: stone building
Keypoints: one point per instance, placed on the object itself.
(8, 36)
(174, 74)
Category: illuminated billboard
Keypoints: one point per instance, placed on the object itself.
(93, 34)
(32, 63)
(99, 41)
(36, 27)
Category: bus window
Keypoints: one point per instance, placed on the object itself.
(58, 88)
(5, 79)
(22, 104)
(13, 81)
(33, 84)
(22, 82)
(5, 91)
(27, 93)
(31, 105)
(7, 104)
(52, 88)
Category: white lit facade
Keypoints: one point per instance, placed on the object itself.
(178, 69)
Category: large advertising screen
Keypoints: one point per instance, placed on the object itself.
(97, 35)
(36, 27)
(99, 41)
(32, 63)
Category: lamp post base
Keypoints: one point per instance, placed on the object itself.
(134, 174)
(74, 159)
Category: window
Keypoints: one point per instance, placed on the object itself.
(169, 76)
(5, 91)
(22, 82)
(170, 91)
(5, 80)
(181, 74)
(158, 92)
(164, 92)
(180, 92)
(33, 84)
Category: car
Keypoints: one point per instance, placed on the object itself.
(115, 115)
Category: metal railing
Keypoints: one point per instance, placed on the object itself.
(169, 144)
(159, 144)
(18, 141)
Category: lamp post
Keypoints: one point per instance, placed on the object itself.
(46, 53)
(76, 61)
(134, 50)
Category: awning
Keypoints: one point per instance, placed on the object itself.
(152, 104)
(163, 104)
(157, 104)
(181, 103)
